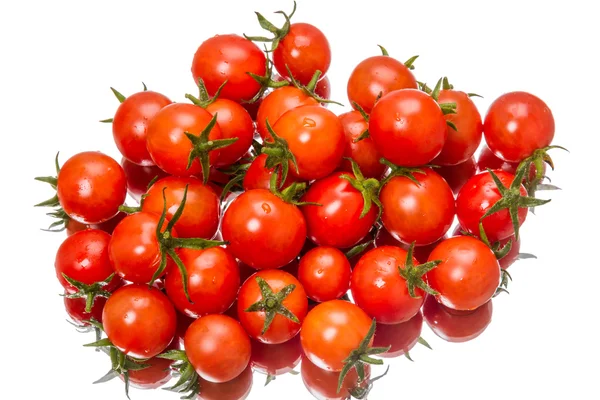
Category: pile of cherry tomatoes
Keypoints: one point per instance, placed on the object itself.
(269, 230)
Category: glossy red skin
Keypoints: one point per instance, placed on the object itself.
(213, 282)
(263, 231)
(417, 213)
(282, 329)
(401, 337)
(235, 122)
(364, 152)
(139, 177)
(236, 389)
(276, 359)
(200, 217)
(487, 159)
(91, 187)
(379, 289)
(462, 143)
(139, 321)
(252, 108)
(258, 176)
(477, 196)
(337, 221)
(331, 331)
(304, 50)
(134, 249)
(512, 255)
(323, 384)
(457, 175)
(325, 273)
(83, 257)
(277, 103)
(131, 122)
(323, 89)
(170, 147)
(375, 75)
(456, 326)
(316, 138)
(229, 58)
(408, 127)
(157, 374)
(517, 124)
(76, 309)
(205, 341)
(468, 275)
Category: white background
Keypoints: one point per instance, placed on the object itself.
(58, 59)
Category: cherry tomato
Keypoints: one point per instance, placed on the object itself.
(131, 123)
(461, 143)
(276, 359)
(200, 217)
(512, 255)
(316, 138)
(457, 175)
(325, 273)
(377, 76)
(477, 196)
(91, 187)
(263, 231)
(456, 326)
(337, 221)
(517, 124)
(408, 127)
(323, 384)
(213, 282)
(140, 321)
(235, 122)
(75, 307)
(364, 152)
(282, 328)
(258, 176)
(236, 389)
(379, 289)
(277, 103)
(217, 347)
(420, 213)
(304, 50)
(401, 337)
(156, 374)
(139, 177)
(468, 275)
(331, 331)
(229, 58)
(167, 143)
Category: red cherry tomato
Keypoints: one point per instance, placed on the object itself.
(364, 152)
(156, 374)
(379, 289)
(468, 275)
(420, 213)
(408, 127)
(258, 176)
(512, 255)
(323, 384)
(91, 187)
(213, 282)
(217, 347)
(517, 124)
(304, 50)
(200, 217)
(336, 222)
(236, 389)
(235, 122)
(276, 359)
(457, 175)
(75, 307)
(229, 58)
(377, 76)
(263, 231)
(169, 146)
(140, 321)
(131, 122)
(400, 337)
(461, 143)
(477, 196)
(139, 177)
(325, 273)
(331, 331)
(456, 326)
(281, 328)
(316, 138)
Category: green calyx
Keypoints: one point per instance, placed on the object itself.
(365, 133)
(309, 89)
(202, 145)
(368, 188)
(496, 247)
(512, 199)
(204, 99)
(408, 63)
(266, 81)
(407, 172)
(272, 303)
(237, 172)
(168, 244)
(447, 108)
(414, 274)
(290, 194)
(278, 154)
(89, 292)
(118, 94)
(133, 209)
(361, 392)
(60, 216)
(361, 356)
(422, 342)
(538, 159)
(188, 383)
(278, 33)
(505, 278)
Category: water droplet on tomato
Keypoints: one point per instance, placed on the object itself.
(266, 208)
(309, 123)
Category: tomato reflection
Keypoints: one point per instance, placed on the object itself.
(401, 337)
(323, 384)
(156, 374)
(276, 359)
(236, 389)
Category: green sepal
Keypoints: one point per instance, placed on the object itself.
(272, 303)
(413, 275)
